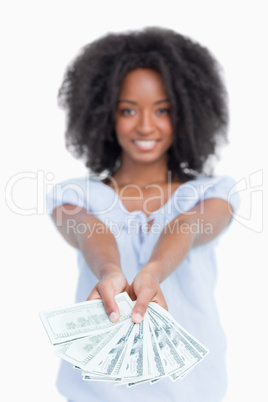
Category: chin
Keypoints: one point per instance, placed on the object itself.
(146, 159)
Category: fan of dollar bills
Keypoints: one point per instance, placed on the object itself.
(122, 352)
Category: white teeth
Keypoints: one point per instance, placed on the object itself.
(147, 144)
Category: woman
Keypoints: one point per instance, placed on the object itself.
(148, 111)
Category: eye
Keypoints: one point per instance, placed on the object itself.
(163, 111)
(127, 112)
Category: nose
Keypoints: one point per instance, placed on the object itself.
(145, 123)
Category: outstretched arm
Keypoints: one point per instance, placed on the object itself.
(84, 231)
(198, 226)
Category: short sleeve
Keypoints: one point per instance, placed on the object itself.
(223, 187)
(73, 191)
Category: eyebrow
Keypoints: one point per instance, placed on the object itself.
(135, 103)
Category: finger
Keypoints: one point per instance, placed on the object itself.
(161, 301)
(164, 305)
(109, 303)
(127, 289)
(141, 305)
(131, 293)
(94, 294)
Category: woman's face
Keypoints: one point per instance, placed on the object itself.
(143, 126)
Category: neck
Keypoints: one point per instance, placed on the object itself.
(142, 173)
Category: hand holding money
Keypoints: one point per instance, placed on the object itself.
(122, 352)
(116, 281)
(145, 288)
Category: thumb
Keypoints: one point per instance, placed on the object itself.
(94, 295)
(110, 304)
(141, 305)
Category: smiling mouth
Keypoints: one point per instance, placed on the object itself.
(145, 145)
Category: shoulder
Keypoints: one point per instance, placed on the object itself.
(76, 191)
(76, 184)
(222, 181)
(222, 187)
(206, 187)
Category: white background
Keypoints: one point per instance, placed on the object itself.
(38, 269)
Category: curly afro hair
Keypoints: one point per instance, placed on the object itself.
(192, 80)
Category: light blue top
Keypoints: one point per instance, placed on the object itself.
(189, 290)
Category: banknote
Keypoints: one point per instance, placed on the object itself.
(201, 349)
(135, 359)
(154, 363)
(78, 320)
(82, 351)
(123, 353)
(187, 352)
(111, 353)
(170, 358)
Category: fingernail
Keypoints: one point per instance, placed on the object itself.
(113, 316)
(137, 318)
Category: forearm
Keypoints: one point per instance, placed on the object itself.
(87, 233)
(169, 252)
(100, 250)
(194, 228)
